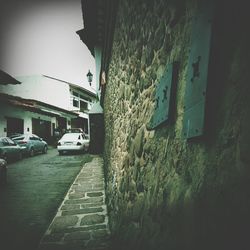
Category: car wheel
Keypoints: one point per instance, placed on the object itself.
(31, 152)
(45, 149)
(4, 156)
(60, 152)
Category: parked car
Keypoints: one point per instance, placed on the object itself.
(31, 144)
(10, 150)
(73, 142)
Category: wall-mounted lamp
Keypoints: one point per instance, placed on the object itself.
(90, 77)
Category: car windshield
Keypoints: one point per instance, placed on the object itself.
(71, 136)
(18, 138)
(14, 135)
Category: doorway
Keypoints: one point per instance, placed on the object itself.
(14, 125)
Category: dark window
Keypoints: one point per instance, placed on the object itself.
(83, 105)
(75, 103)
(18, 138)
(5, 142)
(10, 141)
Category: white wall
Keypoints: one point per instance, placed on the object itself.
(15, 112)
(40, 88)
(98, 59)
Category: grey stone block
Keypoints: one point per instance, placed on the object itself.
(77, 236)
(92, 219)
(63, 222)
(85, 228)
(70, 207)
(54, 237)
(83, 211)
(94, 194)
(95, 204)
(93, 200)
(100, 234)
(76, 196)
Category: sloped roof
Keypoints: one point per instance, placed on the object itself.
(5, 78)
(86, 91)
(35, 106)
(98, 18)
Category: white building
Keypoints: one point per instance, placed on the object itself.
(57, 103)
(51, 91)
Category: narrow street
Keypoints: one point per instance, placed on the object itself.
(35, 189)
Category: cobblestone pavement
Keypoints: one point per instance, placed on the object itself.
(81, 221)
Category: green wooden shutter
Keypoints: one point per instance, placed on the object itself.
(162, 98)
(197, 72)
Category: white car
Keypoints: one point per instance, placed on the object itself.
(73, 142)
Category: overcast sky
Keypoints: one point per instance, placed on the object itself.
(39, 37)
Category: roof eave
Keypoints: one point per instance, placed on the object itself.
(5, 79)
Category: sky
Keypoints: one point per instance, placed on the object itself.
(39, 37)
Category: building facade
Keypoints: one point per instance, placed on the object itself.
(176, 111)
(67, 103)
(18, 115)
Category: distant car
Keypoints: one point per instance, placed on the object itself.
(73, 142)
(10, 150)
(31, 144)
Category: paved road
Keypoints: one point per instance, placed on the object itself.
(35, 189)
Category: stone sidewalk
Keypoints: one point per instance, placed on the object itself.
(81, 221)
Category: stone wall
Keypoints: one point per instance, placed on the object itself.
(165, 192)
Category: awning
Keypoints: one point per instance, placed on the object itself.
(96, 108)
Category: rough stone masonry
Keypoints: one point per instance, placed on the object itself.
(163, 191)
